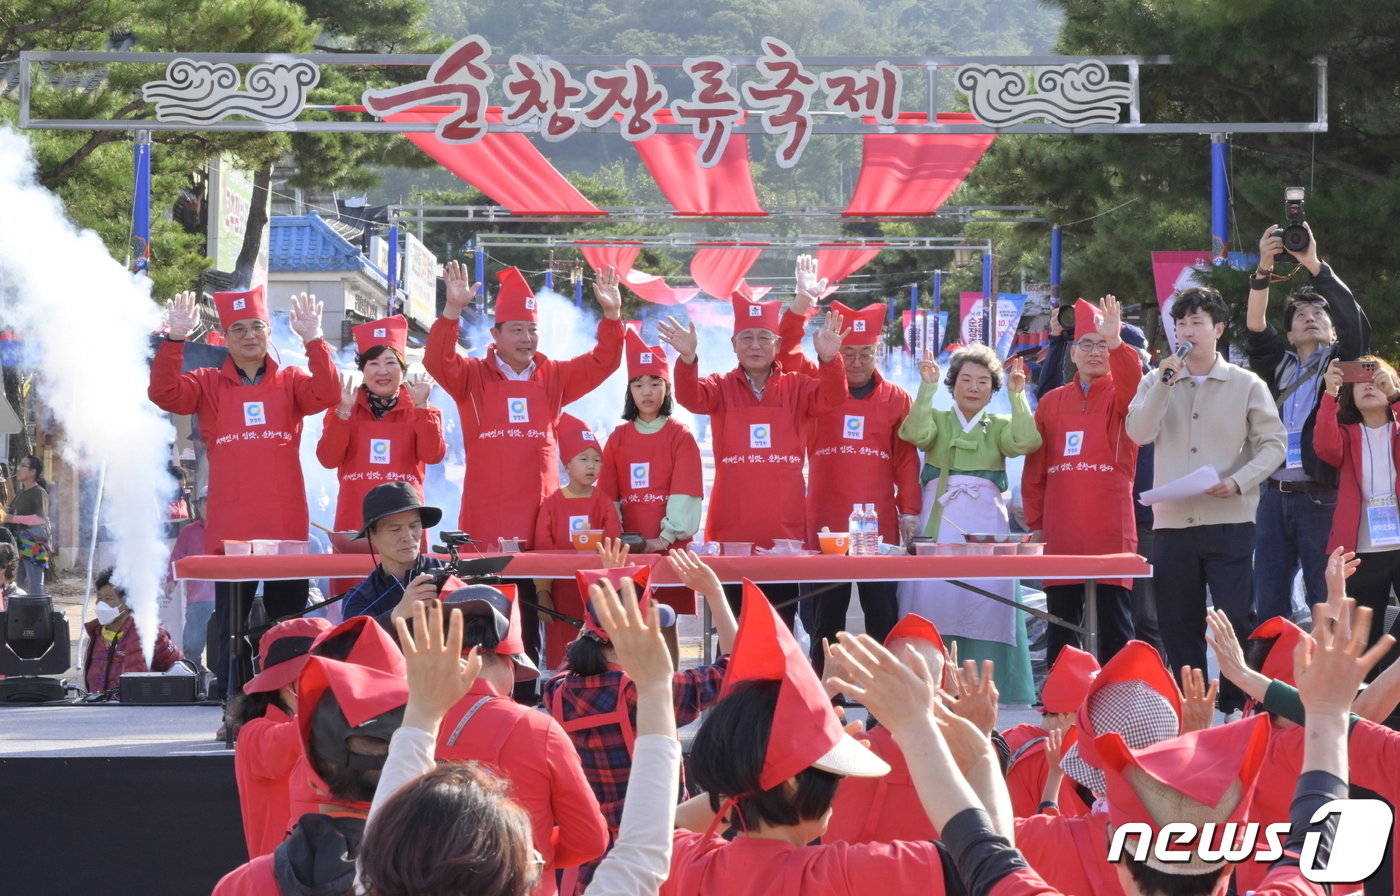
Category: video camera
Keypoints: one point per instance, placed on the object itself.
(478, 571)
(1295, 236)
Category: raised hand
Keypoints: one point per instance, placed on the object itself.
(606, 292)
(900, 692)
(438, 675)
(182, 313)
(1220, 635)
(460, 289)
(684, 340)
(809, 287)
(1330, 664)
(827, 340)
(348, 391)
(1385, 383)
(420, 386)
(978, 703)
(693, 572)
(1016, 376)
(306, 317)
(1197, 701)
(928, 367)
(613, 553)
(1269, 247)
(1332, 378)
(1110, 324)
(636, 636)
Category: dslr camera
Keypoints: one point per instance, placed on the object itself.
(1295, 236)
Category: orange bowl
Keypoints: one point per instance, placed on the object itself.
(834, 542)
(586, 539)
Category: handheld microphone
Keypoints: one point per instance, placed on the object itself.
(1183, 348)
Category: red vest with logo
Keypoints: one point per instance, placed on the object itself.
(642, 470)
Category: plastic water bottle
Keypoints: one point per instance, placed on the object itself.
(855, 530)
(870, 531)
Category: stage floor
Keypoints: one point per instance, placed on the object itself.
(108, 729)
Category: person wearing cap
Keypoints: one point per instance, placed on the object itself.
(1077, 487)
(347, 715)
(596, 701)
(965, 483)
(1202, 411)
(1133, 695)
(651, 466)
(760, 412)
(268, 743)
(198, 595)
(527, 748)
(114, 645)
(854, 451)
(1322, 323)
(394, 520)
(1030, 762)
(383, 430)
(250, 419)
(576, 506)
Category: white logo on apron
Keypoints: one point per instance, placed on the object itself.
(379, 451)
(854, 428)
(254, 414)
(517, 410)
(578, 523)
(760, 435)
(641, 476)
(1074, 443)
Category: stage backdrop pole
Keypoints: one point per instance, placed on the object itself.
(393, 265)
(988, 336)
(1055, 248)
(1219, 200)
(140, 260)
(936, 303)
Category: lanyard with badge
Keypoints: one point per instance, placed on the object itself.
(1382, 515)
(1293, 456)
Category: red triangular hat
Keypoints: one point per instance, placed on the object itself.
(749, 315)
(1200, 766)
(1137, 661)
(806, 730)
(645, 360)
(514, 300)
(866, 325)
(363, 692)
(640, 576)
(390, 331)
(1086, 318)
(1278, 664)
(236, 306)
(282, 652)
(912, 625)
(1069, 680)
(574, 437)
(371, 645)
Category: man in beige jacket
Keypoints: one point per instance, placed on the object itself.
(1200, 410)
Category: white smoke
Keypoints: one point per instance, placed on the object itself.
(89, 321)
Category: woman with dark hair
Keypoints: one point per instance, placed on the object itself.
(965, 485)
(1356, 432)
(651, 465)
(455, 829)
(29, 520)
(382, 431)
(596, 701)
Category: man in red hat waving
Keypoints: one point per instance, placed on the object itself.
(250, 417)
(855, 452)
(508, 402)
(760, 413)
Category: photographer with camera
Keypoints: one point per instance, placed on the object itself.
(1322, 322)
(394, 520)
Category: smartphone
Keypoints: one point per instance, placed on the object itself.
(1357, 371)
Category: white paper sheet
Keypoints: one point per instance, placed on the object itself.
(1193, 483)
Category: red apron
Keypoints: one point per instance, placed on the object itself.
(378, 451)
(511, 459)
(256, 488)
(759, 493)
(643, 470)
(852, 459)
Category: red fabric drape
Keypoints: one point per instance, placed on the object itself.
(725, 189)
(506, 167)
(620, 255)
(913, 174)
(720, 270)
(837, 261)
(653, 288)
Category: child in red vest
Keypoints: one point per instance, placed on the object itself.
(575, 507)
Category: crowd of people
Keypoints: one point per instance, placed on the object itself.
(425, 667)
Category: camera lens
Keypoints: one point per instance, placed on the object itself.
(1295, 238)
(1065, 315)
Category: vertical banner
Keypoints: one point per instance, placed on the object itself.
(140, 262)
(1171, 273)
(418, 282)
(973, 315)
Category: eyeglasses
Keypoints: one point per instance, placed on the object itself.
(238, 331)
(757, 339)
(1092, 347)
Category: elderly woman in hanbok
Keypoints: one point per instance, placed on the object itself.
(965, 488)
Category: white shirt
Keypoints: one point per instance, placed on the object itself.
(509, 372)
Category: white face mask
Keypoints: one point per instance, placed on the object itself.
(106, 612)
